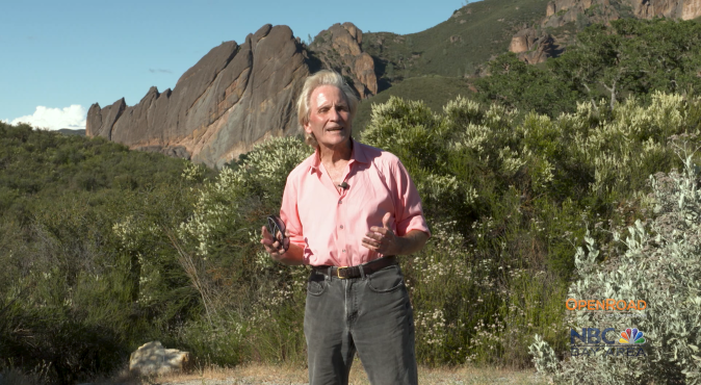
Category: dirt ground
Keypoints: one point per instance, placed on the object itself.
(287, 375)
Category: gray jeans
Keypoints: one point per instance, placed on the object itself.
(372, 315)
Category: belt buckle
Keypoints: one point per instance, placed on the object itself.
(338, 271)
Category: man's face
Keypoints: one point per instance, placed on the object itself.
(329, 117)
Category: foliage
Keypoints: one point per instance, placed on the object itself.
(70, 303)
(434, 90)
(658, 262)
(513, 193)
(516, 84)
(629, 58)
(242, 289)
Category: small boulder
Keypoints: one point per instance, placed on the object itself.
(153, 359)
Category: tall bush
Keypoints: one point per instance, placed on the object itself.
(658, 262)
(69, 304)
(511, 194)
(252, 304)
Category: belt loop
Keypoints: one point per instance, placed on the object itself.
(362, 271)
(328, 273)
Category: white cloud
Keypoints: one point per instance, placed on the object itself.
(72, 117)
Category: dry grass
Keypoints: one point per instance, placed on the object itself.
(296, 375)
(16, 377)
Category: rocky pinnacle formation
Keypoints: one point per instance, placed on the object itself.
(234, 97)
(339, 48)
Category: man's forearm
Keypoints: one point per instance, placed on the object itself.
(412, 242)
(293, 256)
(409, 243)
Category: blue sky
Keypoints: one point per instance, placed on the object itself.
(60, 57)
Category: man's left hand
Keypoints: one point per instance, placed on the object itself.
(382, 239)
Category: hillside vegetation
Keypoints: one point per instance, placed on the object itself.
(457, 47)
(434, 90)
(629, 59)
(104, 249)
(69, 306)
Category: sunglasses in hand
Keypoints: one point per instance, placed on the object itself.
(276, 227)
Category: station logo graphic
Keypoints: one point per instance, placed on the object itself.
(594, 340)
(605, 305)
(631, 336)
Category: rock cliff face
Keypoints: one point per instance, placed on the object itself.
(531, 46)
(339, 48)
(559, 12)
(234, 97)
(691, 9)
(676, 9)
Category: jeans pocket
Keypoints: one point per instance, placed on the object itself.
(316, 284)
(386, 280)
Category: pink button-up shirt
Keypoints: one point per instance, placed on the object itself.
(329, 224)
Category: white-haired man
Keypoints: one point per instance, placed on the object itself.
(349, 210)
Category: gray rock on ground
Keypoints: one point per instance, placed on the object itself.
(152, 358)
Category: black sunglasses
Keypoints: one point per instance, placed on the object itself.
(275, 226)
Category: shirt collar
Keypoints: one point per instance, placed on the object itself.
(358, 154)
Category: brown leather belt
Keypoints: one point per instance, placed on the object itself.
(345, 272)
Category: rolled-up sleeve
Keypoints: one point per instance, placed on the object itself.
(408, 211)
(290, 215)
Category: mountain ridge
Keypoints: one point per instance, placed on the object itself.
(239, 95)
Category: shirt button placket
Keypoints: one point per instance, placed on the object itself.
(341, 218)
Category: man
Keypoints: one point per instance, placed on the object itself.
(349, 210)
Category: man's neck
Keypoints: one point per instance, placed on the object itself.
(332, 156)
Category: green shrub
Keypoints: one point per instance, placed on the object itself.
(629, 58)
(515, 191)
(236, 280)
(659, 263)
(69, 291)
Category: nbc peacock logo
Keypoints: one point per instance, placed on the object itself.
(592, 341)
(631, 336)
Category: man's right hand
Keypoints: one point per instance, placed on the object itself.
(294, 254)
(273, 245)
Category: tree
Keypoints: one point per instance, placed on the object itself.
(515, 84)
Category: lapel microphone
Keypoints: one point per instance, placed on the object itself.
(343, 185)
